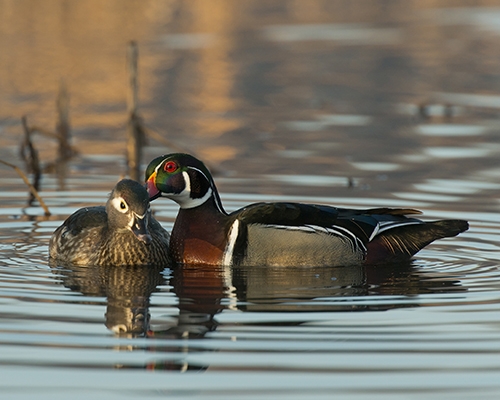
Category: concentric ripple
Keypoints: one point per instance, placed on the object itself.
(295, 325)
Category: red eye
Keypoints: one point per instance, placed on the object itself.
(170, 166)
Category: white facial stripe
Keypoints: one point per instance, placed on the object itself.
(159, 165)
(156, 172)
(200, 171)
(210, 191)
(233, 235)
(184, 198)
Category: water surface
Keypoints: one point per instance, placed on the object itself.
(388, 104)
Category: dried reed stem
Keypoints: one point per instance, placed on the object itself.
(63, 132)
(135, 132)
(30, 156)
(33, 191)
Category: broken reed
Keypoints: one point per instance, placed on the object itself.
(32, 190)
(136, 136)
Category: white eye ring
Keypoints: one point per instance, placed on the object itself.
(120, 204)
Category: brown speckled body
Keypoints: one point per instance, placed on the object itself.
(122, 233)
(95, 243)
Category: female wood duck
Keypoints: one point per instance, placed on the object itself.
(288, 234)
(121, 233)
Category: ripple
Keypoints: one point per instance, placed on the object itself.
(455, 186)
(346, 33)
(442, 130)
(326, 120)
(309, 180)
(435, 197)
(376, 166)
(413, 318)
(457, 152)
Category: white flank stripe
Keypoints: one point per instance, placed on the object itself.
(342, 232)
(334, 230)
(349, 236)
(303, 228)
(318, 228)
(233, 235)
(385, 226)
(375, 232)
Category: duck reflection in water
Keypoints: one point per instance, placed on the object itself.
(204, 291)
(127, 288)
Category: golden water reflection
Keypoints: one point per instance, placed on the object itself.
(259, 88)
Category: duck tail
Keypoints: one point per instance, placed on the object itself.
(403, 242)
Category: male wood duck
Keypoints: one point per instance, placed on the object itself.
(290, 234)
(121, 233)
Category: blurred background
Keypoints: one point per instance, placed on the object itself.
(388, 98)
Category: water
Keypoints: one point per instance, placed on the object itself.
(426, 327)
(387, 104)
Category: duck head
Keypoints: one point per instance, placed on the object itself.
(182, 178)
(128, 208)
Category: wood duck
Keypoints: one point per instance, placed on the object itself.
(290, 234)
(121, 233)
